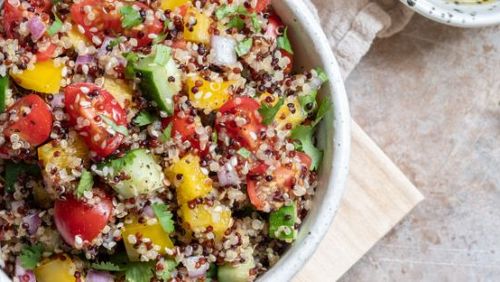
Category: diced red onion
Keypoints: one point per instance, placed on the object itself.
(99, 276)
(190, 264)
(22, 273)
(57, 101)
(148, 211)
(36, 27)
(228, 176)
(223, 50)
(84, 59)
(33, 221)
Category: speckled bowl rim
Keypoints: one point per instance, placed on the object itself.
(334, 137)
(455, 17)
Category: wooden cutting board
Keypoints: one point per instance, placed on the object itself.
(377, 197)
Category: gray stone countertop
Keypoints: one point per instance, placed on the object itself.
(430, 98)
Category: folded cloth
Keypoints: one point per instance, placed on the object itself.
(352, 25)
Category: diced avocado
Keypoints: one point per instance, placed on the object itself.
(4, 87)
(282, 223)
(133, 174)
(236, 273)
(160, 79)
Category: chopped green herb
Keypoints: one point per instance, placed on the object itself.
(55, 26)
(243, 47)
(167, 133)
(324, 107)
(256, 24)
(308, 102)
(160, 38)
(118, 128)
(162, 55)
(226, 11)
(4, 88)
(115, 42)
(139, 272)
(268, 113)
(144, 118)
(236, 22)
(106, 266)
(322, 75)
(118, 164)
(284, 43)
(215, 137)
(130, 17)
(244, 153)
(304, 135)
(31, 255)
(14, 170)
(132, 58)
(86, 183)
(164, 217)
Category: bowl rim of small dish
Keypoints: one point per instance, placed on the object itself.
(454, 17)
(297, 255)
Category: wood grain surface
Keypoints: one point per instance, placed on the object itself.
(377, 197)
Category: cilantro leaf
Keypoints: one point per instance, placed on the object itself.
(55, 26)
(118, 128)
(115, 42)
(132, 59)
(268, 113)
(236, 22)
(130, 17)
(118, 164)
(14, 170)
(139, 272)
(304, 135)
(244, 153)
(86, 183)
(308, 102)
(107, 266)
(321, 74)
(144, 118)
(164, 217)
(256, 24)
(166, 134)
(31, 255)
(243, 47)
(215, 136)
(284, 43)
(225, 11)
(324, 107)
(169, 266)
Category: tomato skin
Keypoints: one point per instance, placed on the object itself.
(261, 6)
(34, 127)
(41, 5)
(104, 22)
(12, 17)
(74, 217)
(101, 103)
(47, 54)
(248, 134)
(142, 36)
(257, 171)
(186, 128)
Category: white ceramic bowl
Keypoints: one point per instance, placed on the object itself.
(311, 49)
(458, 13)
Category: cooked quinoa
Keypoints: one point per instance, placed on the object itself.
(153, 140)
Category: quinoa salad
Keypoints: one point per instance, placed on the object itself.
(155, 140)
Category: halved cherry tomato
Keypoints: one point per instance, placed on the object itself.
(261, 6)
(186, 128)
(142, 35)
(88, 106)
(41, 5)
(12, 16)
(273, 30)
(74, 217)
(247, 135)
(107, 20)
(46, 54)
(255, 173)
(34, 120)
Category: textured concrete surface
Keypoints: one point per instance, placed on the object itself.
(430, 97)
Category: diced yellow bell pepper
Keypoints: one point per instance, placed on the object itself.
(203, 216)
(172, 4)
(77, 39)
(190, 181)
(120, 90)
(284, 115)
(45, 77)
(198, 32)
(54, 156)
(56, 269)
(154, 232)
(210, 95)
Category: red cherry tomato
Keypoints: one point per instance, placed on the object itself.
(255, 173)
(41, 5)
(12, 17)
(107, 20)
(74, 217)
(261, 6)
(246, 135)
(142, 35)
(34, 120)
(46, 54)
(86, 105)
(186, 128)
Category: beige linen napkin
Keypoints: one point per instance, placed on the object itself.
(352, 25)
